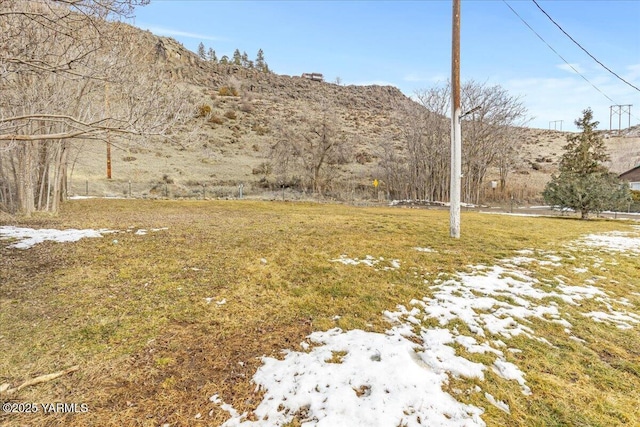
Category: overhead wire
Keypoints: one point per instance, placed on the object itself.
(583, 49)
(556, 52)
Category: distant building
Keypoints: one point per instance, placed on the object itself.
(316, 77)
(632, 176)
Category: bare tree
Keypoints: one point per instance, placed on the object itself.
(420, 169)
(393, 168)
(487, 132)
(67, 73)
(437, 136)
(489, 140)
(308, 147)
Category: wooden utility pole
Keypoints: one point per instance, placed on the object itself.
(456, 131)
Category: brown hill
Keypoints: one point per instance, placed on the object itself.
(237, 116)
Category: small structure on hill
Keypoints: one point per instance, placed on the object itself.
(632, 176)
(316, 77)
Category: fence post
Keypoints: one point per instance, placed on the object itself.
(129, 188)
(86, 188)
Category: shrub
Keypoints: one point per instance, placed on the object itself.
(204, 110)
(228, 91)
(264, 168)
(246, 107)
(216, 119)
(259, 129)
(230, 115)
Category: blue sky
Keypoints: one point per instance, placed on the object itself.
(407, 44)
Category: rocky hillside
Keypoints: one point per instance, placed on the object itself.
(238, 115)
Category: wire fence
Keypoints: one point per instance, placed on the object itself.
(80, 188)
(155, 190)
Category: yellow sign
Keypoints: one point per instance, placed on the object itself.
(375, 183)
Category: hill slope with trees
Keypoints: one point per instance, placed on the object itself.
(185, 124)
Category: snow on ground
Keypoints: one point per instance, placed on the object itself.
(614, 241)
(428, 250)
(28, 237)
(358, 378)
(369, 261)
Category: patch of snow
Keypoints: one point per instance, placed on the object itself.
(379, 381)
(28, 237)
(369, 261)
(397, 378)
(509, 371)
(510, 214)
(497, 403)
(621, 320)
(80, 197)
(429, 250)
(614, 241)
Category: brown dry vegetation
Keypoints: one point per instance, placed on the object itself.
(133, 314)
(232, 134)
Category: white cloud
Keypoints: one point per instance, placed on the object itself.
(552, 98)
(633, 73)
(572, 68)
(162, 31)
(371, 82)
(415, 78)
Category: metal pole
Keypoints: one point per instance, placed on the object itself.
(619, 119)
(610, 118)
(456, 131)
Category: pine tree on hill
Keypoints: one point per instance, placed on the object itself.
(260, 63)
(201, 52)
(211, 56)
(237, 57)
(246, 63)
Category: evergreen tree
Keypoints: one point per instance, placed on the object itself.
(201, 51)
(245, 60)
(237, 57)
(584, 183)
(224, 60)
(211, 56)
(260, 63)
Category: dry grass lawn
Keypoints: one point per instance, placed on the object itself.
(142, 315)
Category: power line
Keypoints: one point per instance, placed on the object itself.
(585, 50)
(556, 52)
